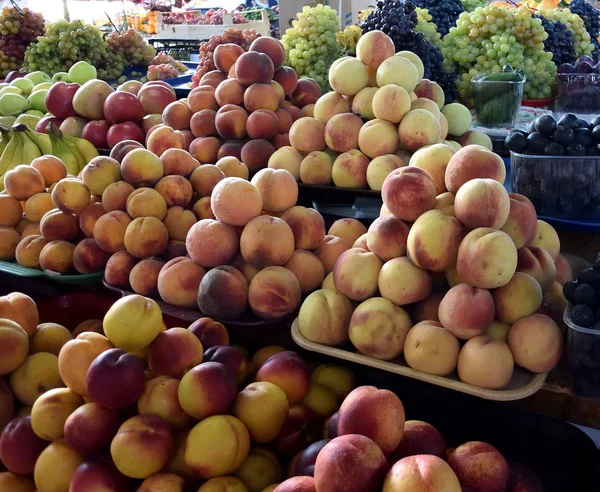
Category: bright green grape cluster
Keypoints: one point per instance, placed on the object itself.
(427, 27)
(311, 45)
(581, 38)
(470, 5)
(65, 43)
(490, 37)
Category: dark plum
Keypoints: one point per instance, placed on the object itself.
(589, 276)
(595, 122)
(515, 141)
(545, 125)
(563, 135)
(596, 134)
(583, 123)
(571, 120)
(555, 149)
(576, 149)
(582, 316)
(583, 136)
(536, 143)
(585, 294)
(569, 290)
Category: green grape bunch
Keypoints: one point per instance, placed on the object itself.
(582, 41)
(490, 37)
(427, 27)
(470, 5)
(311, 45)
(134, 47)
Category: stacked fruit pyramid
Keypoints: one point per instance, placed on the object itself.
(123, 404)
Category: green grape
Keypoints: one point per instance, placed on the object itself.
(427, 27)
(311, 44)
(581, 38)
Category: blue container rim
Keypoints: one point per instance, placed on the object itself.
(557, 157)
(569, 322)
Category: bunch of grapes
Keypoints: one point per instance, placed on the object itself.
(18, 28)
(582, 42)
(399, 20)
(163, 71)
(427, 27)
(444, 13)
(559, 41)
(590, 17)
(132, 44)
(165, 59)
(311, 45)
(488, 38)
(207, 49)
(470, 5)
(348, 38)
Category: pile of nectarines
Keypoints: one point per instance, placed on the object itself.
(380, 113)
(455, 275)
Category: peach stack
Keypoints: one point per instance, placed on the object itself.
(456, 275)
(125, 404)
(380, 113)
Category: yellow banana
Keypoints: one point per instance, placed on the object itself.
(11, 157)
(6, 136)
(60, 150)
(86, 147)
(75, 151)
(30, 150)
(42, 140)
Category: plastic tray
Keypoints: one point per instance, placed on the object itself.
(522, 384)
(247, 320)
(25, 272)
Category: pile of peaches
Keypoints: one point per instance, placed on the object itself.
(380, 113)
(125, 404)
(456, 274)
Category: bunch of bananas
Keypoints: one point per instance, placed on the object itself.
(348, 38)
(20, 145)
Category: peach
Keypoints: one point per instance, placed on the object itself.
(146, 237)
(420, 438)
(267, 241)
(15, 345)
(403, 283)
(482, 203)
(243, 266)
(23, 181)
(420, 473)
(362, 103)
(294, 484)
(202, 97)
(226, 55)
(256, 154)
(173, 352)
(487, 258)
(307, 225)
(37, 205)
(564, 272)
(57, 225)
(254, 67)
(230, 122)
(434, 240)
(223, 484)
(434, 159)
(93, 325)
(12, 212)
(419, 128)
(443, 121)
(204, 179)
(143, 277)
(141, 168)
(262, 124)
(213, 78)
(430, 348)
(178, 222)
(232, 148)
(223, 293)
(178, 281)
(427, 309)
(212, 243)
(466, 311)
(325, 316)
(51, 410)
(259, 470)
(288, 371)
(348, 76)
(217, 446)
(28, 251)
(479, 466)
(521, 297)
(316, 168)
(231, 167)
(428, 105)
(15, 483)
(274, 292)
(167, 482)
(278, 188)
(209, 332)
(536, 343)
(88, 257)
(175, 190)
(90, 428)
(444, 200)
(89, 216)
(361, 242)
(380, 168)
(177, 115)
(330, 250)
(31, 229)
(205, 150)
(9, 240)
(232, 358)
(236, 201)
(118, 269)
(99, 173)
(285, 121)
(21, 309)
(177, 162)
(329, 105)
(308, 134)
(356, 273)
(287, 78)
(338, 379)
(51, 168)
(347, 229)
(35, 376)
(378, 137)
(142, 446)
(160, 398)
(261, 96)
(378, 328)
(473, 161)
(374, 48)
(121, 149)
(176, 248)
(430, 90)
(307, 92)
(56, 467)
(20, 447)
(307, 268)
(546, 238)
(57, 256)
(408, 192)
(341, 132)
(480, 353)
(350, 459)
(475, 137)
(286, 158)
(391, 103)
(350, 170)
(115, 196)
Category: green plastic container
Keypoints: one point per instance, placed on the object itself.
(497, 98)
(25, 272)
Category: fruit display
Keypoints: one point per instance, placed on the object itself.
(242, 38)
(132, 45)
(348, 38)
(399, 21)
(393, 114)
(457, 275)
(582, 41)
(591, 19)
(163, 67)
(511, 36)
(311, 45)
(123, 403)
(18, 28)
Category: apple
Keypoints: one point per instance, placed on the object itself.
(38, 77)
(24, 84)
(121, 106)
(15, 74)
(82, 72)
(131, 86)
(124, 131)
(151, 120)
(37, 100)
(61, 77)
(59, 99)
(42, 125)
(115, 379)
(73, 125)
(165, 85)
(96, 132)
(155, 98)
(120, 150)
(89, 99)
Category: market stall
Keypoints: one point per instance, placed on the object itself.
(363, 257)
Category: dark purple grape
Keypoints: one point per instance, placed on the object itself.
(566, 68)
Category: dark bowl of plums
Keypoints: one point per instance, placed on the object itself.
(578, 86)
(556, 164)
(582, 318)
